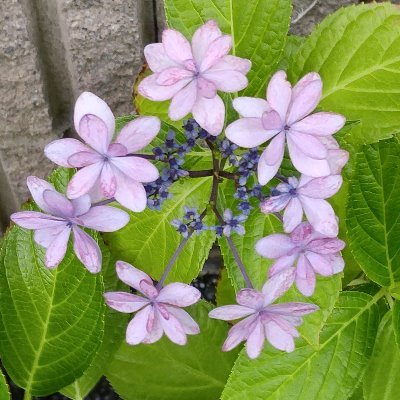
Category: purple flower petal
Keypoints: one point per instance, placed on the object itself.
(94, 131)
(189, 325)
(137, 328)
(179, 294)
(104, 219)
(230, 312)
(326, 245)
(293, 309)
(232, 63)
(238, 333)
(81, 205)
(84, 158)
(182, 103)
(59, 151)
(320, 124)
(156, 58)
(279, 93)
(271, 120)
(83, 181)
(136, 168)
(255, 341)
(278, 337)
(281, 264)
(319, 263)
(293, 215)
(275, 203)
(274, 246)
(148, 289)
(302, 233)
(36, 220)
(206, 88)
(57, 248)
(137, 134)
(173, 329)
(172, 75)
(321, 188)
(87, 250)
(58, 205)
(37, 186)
(305, 276)
(228, 81)
(156, 331)
(150, 89)
(250, 298)
(336, 261)
(176, 46)
(108, 181)
(217, 49)
(210, 114)
(278, 285)
(131, 275)
(251, 107)
(202, 39)
(125, 302)
(44, 237)
(117, 150)
(309, 145)
(130, 194)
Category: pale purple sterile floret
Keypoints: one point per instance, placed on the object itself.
(62, 216)
(284, 117)
(191, 74)
(107, 169)
(158, 311)
(306, 195)
(302, 254)
(263, 320)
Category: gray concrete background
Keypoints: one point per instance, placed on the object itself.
(51, 50)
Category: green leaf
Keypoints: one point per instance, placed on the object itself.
(292, 46)
(114, 332)
(149, 240)
(396, 321)
(357, 52)
(258, 30)
(166, 371)
(225, 292)
(52, 320)
(330, 372)
(374, 211)
(381, 381)
(4, 392)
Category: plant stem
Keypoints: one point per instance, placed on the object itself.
(146, 156)
(103, 202)
(201, 173)
(228, 175)
(27, 396)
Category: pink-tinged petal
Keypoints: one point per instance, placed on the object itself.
(293, 215)
(319, 263)
(136, 168)
(84, 158)
(137, 328)
(95, 133)
(95, 192)
(278, 337)
(336, 261)
(293, 309)
(305, 276)
(275, 203)
(309, 145)
(202, 39)
(89, 104)
(320, 124)
(281, 264)
(285, 325)
(81, 205)
(321, 188)
(172, 75)
(117, 150)
(227, 81)
(183, 102)
(148, 289)
(250, 298)
(255, 341)
(56, 250)
(36, 220)
(274, 246)
(104, 219)
(83, 181)
(125, 302)
(130, 194)
(206, 88)
(305, 101)
(173, 329)
(238, 333)
(179, 294)
(248, 132)
(59, 151)
(279, 93)
(189, 325)
(231, 312)
(87, 250)
(304, 81)
(305, 164)
(271, 159)
(337, 159)
(131, 275)
(277, 285)
(321, 215)
(176, 46)
(150, 89)
(156, 331)
(326, 245)
(233, 63)
(137, 134)
(37, 187)
(251, 107)
(156, 57)
(44, 237)
(271, 120)
(210, 114)
(217, 49)
(302, 233)
(108, 181)
(58, 205)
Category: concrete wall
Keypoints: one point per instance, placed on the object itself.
(51, 50)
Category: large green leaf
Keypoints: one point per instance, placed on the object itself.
(4, 392)
(381, 381)
(374, 211)
(149, 240)
(52, 320)
(396, 321)
(163, 370)
(258, 30)
(330, 372)
(357, 52)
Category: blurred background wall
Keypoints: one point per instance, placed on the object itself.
(52, 50)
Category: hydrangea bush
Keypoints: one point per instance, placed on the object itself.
(281, 150)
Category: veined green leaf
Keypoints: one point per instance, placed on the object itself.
(149, 240)
(357, 52)
(381, 381)
(330, 372)
(52, 320)
(374, 211)
(292, 46)
(166, 371)
(4, 392)
(396, 321)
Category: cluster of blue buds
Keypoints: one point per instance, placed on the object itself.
(191, 221)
